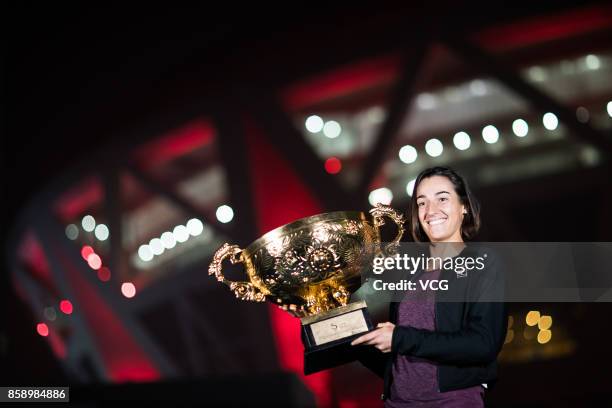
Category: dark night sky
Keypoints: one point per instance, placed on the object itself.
(74, 75)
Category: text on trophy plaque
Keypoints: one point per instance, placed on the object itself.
(339, 327)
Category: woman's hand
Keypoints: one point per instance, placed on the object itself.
(379, 338)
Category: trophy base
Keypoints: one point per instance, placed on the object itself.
(327, 336)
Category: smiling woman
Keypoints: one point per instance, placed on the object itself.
(431, 351)
(443, 208)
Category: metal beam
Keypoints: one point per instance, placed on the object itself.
(64, 251)
(199, 323)
(81, 335)
(232, 148)
(396, 112)
(494, 66)
(174, 285)
(112, 208)
(168, 193)
(34, 293)
(290, 142)
(196, 357)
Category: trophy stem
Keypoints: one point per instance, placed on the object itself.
(326, 296)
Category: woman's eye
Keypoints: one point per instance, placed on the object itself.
(420, 204)
(442, 199)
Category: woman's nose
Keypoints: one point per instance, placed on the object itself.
(431, 209)
(428, 210)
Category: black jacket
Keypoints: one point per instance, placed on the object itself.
(468, 334)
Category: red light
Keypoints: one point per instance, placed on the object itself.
(66, 307)
(104, 274)
(42, 329)
(333, 165)
(86, 251)
(94, 261)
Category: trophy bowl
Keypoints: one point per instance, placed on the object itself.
(310, 267)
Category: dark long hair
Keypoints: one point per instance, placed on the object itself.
(471, 220)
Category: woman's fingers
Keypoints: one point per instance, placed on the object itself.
(379, 338)
(366, 338)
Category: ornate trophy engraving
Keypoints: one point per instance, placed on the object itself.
(310, 268)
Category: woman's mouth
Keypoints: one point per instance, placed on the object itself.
(436, 221)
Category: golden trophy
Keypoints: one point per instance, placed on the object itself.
(310, 268)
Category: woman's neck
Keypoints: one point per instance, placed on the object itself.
(445, 249)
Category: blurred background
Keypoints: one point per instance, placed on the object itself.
(137, 142)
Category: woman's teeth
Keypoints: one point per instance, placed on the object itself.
(437, 221)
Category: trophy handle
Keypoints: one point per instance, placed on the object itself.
(242, 290)
(378, 213)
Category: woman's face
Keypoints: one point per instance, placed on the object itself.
(440, 209)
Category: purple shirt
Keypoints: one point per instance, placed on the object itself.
(415, 380)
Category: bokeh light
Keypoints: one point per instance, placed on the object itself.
(461, 140)
(520, 128)
(550, 121)
(592, 61)
(180, 233)
(101, 232)
(332, 129)
(410, 187)
(408, 154)
(333, 165)
(532, 317)
(434, 147)
(72, 232)
(168, 240)
(381, 195)
(66, 306)
(104, 274)
(50, 313)
(225, 214)
(582, 114)
(42, 329)
(490, 134)
(128, 290)
(86, 251)
(194, 227)
(145, 253)
(314, 124)
(94, 261)
(545, 322)
(544, 336)
(88, 223)
(157, 247)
